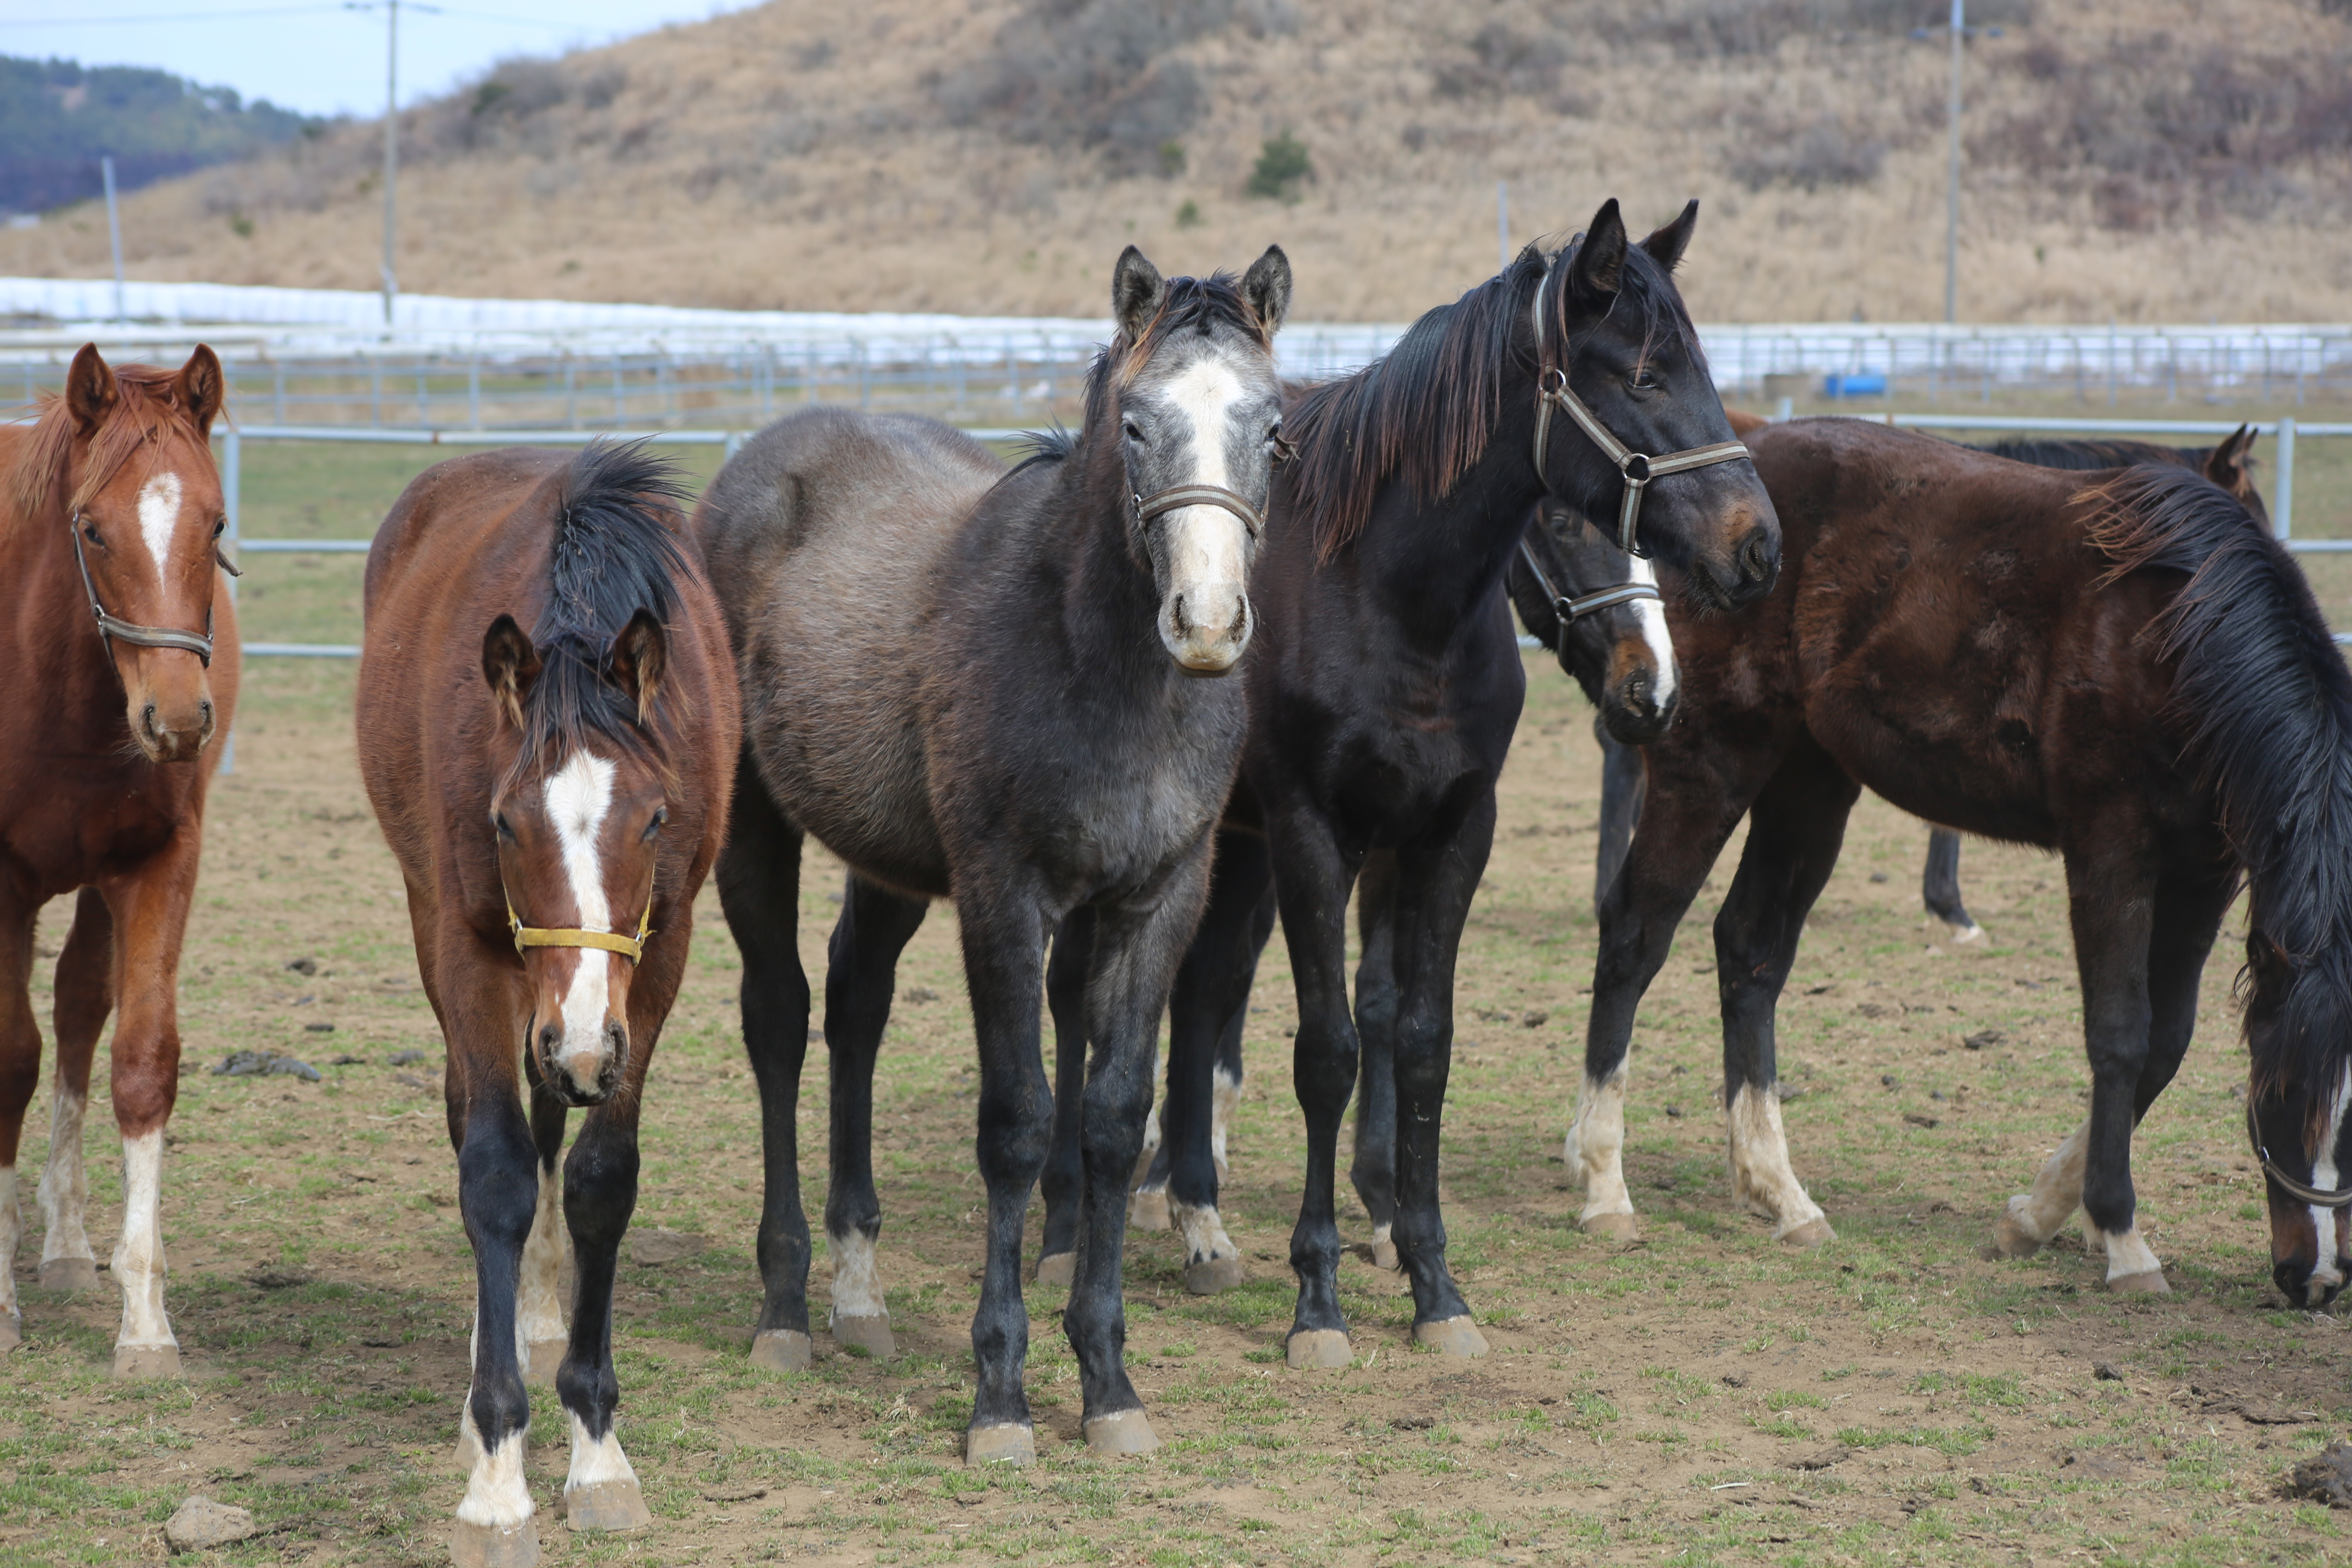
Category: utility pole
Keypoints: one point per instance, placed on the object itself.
(1952, 179)
(114, 232)
(391, 143)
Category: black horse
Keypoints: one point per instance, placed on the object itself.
(995, 687)
(2228, 465)
(1387, 681)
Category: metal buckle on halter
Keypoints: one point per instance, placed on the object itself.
(1637, 468)
(2302, 1192)
(528, 937)
(1571, 610)
(1178, 496)
(110, 626)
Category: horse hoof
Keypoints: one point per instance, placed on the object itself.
(1122, 1432)
(2151, 1283)
(607, 1505)
(1317, 1349)
(871, 1335)
(1968, 932)
(1384, 1255)
(66, 1276)
(780, 1350)
(1006, 1443)
(546, 1355)
(1451, 1336)
(1057, 1269)
(1149, 1210)
(2010, 1239)
(487, 1546)
(1211, 1275)
(1609, 1227)
(146, 1360)
(1812, 1234)
(12, 1331)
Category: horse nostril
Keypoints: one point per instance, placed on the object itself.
(1755, 557)
(551, 1039)
(147, 717)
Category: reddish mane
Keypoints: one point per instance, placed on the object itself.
(145, 411)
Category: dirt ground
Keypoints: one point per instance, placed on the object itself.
(1703, 1394)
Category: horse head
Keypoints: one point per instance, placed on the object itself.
(1200, 424)
(578, 821)
(1617, 648)
(129, 455)
(2295, 1120)
(1616, 350)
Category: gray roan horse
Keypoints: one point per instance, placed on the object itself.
(996, 687)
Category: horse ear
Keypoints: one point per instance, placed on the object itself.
(1600, 265)
(2231, 464)
(1667, 245)
(1137, 292)
(90, 393)
(510, 667)
(200, 388)
(639, 655)
(1266, 287)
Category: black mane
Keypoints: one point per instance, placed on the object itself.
(2267, 702)
(2086, 456)
(1425, 411)
(616, 551)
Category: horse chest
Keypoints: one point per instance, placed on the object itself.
(67, 837)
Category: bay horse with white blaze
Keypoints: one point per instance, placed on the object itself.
(2124, 666)
(118, 651)
(554, 796)
(998, 687)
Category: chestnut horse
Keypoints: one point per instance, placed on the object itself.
(2123, 666)
(119, 654)
(555, 797)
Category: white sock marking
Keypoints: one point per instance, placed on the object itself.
(159, 519)
(579, 797)
(2128, 1255)
(1204, 1235)
(11, 1231)
(2057, 1188)
(497, 1496)
(1596, 1146)
(1226, 1099)
(596, 1460)
(857, 1281)
(139, 1255)
(539, 1301)
(65, 1186)
(1761, 1174)
(1651, 615)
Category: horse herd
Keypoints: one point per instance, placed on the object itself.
(1233, 649)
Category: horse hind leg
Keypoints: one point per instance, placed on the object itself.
(20, 1074)
(1373, 1172)
(85, 995)
(1066, 998)
(1939, 885)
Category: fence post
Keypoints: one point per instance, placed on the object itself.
(2283, 515)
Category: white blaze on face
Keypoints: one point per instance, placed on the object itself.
(1651, 615)
(1205, 620)
(2326, 1274)
(579, 798)
(138, 1254)
(158, 517)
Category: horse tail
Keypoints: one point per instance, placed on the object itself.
(2265, 702)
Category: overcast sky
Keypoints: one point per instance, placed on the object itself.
(322, 56)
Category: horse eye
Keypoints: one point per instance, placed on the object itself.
(1128, 427)
(661, 817)
(1642, 379)
(1274, 433)
(220, 526)
(89, 532)
(505, 828)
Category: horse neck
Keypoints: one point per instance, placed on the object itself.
(1110, 600)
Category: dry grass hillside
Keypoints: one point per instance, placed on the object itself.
(2143, 160)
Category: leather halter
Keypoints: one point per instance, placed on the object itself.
(111, 627)
(1638, 469)
(2302, 1192)
(632, 948)
(1171, 499)
(1592, 603)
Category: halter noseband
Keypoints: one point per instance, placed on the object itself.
(2303, 1192)
(632, 948)
(1638, 469)
(1570, 610)
(1163, 501)
(111, 627)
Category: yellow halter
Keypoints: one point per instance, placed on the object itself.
(528, 937)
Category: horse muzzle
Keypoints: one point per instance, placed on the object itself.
(1205, 626)
(581, 1068)
(171, 731)
(1632, 711)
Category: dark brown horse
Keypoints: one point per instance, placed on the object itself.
(119, 653)
(546, 727)
(2123, 666)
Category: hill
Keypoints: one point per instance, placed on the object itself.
(2141, 160)
(56, 118)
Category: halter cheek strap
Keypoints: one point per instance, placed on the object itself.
(1592, 603)
(110, 626)
(1638, 469)
(632, 948)
(2302, 1192)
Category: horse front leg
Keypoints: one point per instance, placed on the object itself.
(540, 1308)
(20, 1072)
(1939, 885)
(1003, 953)
(1312, 877)
(1066, 998)
(1623, 783)
(85, 996)
(601, 1492)
(1135, 961)
(1373, 1173)
(150, 912)
(863, 963)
